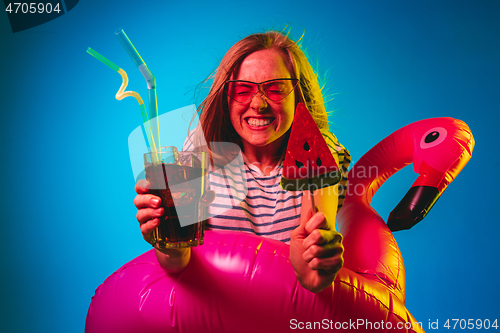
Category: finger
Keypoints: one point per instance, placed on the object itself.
(142, 186)
(326, 251)
(148, 227)
(319, 237)
(146, 214)
(208, 197)
(331, 265)
(299, 233)
(317, 221)
(147, 201)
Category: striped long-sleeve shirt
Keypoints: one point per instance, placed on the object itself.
(250, 201)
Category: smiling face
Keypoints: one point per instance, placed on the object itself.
(261, 122)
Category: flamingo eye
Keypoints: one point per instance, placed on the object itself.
(433, 137)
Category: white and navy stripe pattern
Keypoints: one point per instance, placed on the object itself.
(248, 200)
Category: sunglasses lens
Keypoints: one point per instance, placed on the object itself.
(278, 89)
(274, 90)
(241, 91)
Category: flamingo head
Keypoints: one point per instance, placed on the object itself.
(441, 148)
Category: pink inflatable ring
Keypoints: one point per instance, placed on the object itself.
(238, 282)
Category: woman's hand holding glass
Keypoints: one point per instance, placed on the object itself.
(149, 209)
(148, 215)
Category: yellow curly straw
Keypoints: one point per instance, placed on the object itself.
(121, 94)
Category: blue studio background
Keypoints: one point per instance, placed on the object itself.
(67, 213)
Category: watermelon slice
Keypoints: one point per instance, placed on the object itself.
(309, 164)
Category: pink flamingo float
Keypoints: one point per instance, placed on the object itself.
(239, 282)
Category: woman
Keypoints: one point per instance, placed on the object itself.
(245, 107)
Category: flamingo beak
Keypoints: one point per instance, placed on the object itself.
(414, 206)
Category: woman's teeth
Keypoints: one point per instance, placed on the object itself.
(258, 122)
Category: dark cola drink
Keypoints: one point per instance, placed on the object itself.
(180, 189)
